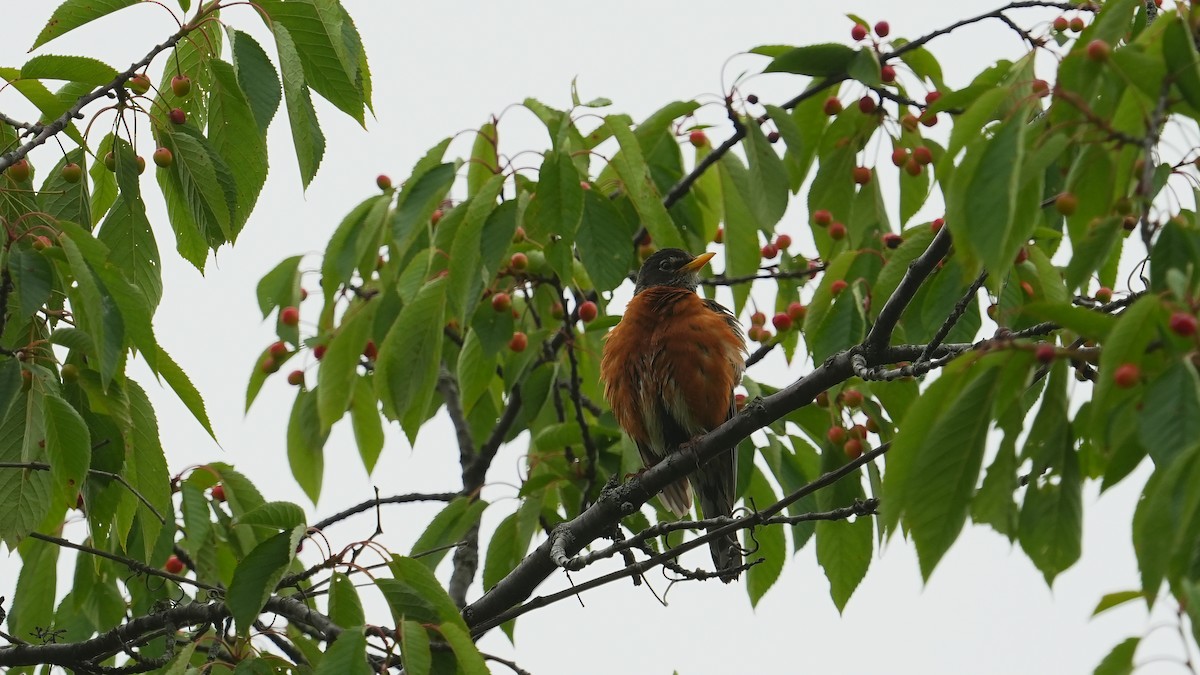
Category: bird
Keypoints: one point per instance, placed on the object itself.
(669, 368)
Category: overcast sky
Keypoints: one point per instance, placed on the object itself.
(440, 68)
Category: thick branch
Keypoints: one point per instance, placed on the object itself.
(918, 270)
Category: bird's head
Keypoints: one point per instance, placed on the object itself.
(671, 267)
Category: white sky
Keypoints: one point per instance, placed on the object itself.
(440, 68)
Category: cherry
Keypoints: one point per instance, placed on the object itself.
(218, 493)
(289, 316)
(1183, 324)
(268, 365)
(370, 350)
(862, 175)
(937, 224)
(584, 185)
(1098, 51)
(181, 85)
(1027, 288)
(1041, 88)
(588, 312)
(70, 372)
(932, 97)
(698, 138)
(138, 84)
(383, 181)
(769, 252)
(278, 349)
(836, 435)
(141, 164)
(518, 342)
(892, 240)
(929, 119)
(837, 287)
(833, 106)
(853, 448)
(887, 74)
(518, 261)
(296, 378)
(110, 162)
(899, 156)
(773, 137)
(72, 172)
(41, 242)
(912, 167)
(909, 122)
(1127, 375)
(501, 302)
(1060, 23)
(319, 351)
(837, 231)
(436, 216)
(1066, 203)
(758, 319)
(882, 29)
(783, 242)
(1076, 24)
(1046, 352)
(174, 565)
(822, 399)
(163, 158)
(519, 235)
(752, 99)
(177, 116)
(781, 322)
(852, 398)
(858, 32)
(797, 311)
(922, 155)
(867, 105)
(1022, 256)
(1104, 294)
(19, 170)
(719, 237)
(822, 218)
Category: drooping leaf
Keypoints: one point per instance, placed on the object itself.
(306, 443)
(74, 13)
(255, 577)
(446, 528)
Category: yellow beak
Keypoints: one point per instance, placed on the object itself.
(700, 261)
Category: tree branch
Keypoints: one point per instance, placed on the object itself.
(918, 270)
(372, 503)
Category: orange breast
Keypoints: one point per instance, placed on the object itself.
(672, 352)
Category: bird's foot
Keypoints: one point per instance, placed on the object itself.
(688, 448)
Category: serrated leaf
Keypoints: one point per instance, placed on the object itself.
(32, 278)
(1111, 600)
(485, 159)
(68, 447)
(74, 13)
(62, 200)
(630, 165)
(255, 577)
(1169, 416)
(604, 242)
(345, 609)
(368, 426)
(816, 60)
(981, 204)
(414, 649)
(742, 251)
(256, 76)
(446, 528)
(307, 136)
(132, 247)
(772, 544)
(1119, 661)
(71, 68)
(24, 495)
(276, 515)
(466, 654)
(146, 470)
(238, 140)
(280, 287)
(407, 367)
(306, 443)
(339, 368)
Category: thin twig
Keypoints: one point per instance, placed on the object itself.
(41, 466)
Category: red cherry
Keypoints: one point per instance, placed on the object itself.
(832, 106)
(899, 156)
(518, 342)
(289, 316)
(822, 399)
(758, 319)
(174, 565)
(698, 138)
(1060, 23)
(719, 237)
(909, 122)
(836, 435)
(1076, 24)
(383, 181)
(1104, 294)
(268, 365)
(296, 378)
(79, 502)
(1022, 256)
(929, 119)
(882, 29)
(937, 223)
(278, 349)
(319, 351)
(436, 216)
(853, 448)
(1098, 51)
(912, 167)
(519, 261)
(862, 175)
(1127, 375)
(892, 240)
(872, 425)
(922, 155)
(783, 242)
(837, 287)
(858, 32)
(370, 350)
(867, 105)
(19, 170)
(519, 235)
(1183, 324)
(773, 137)
(769, 252)
(797, 311)
(501, 302)
(739, 401)
(822, 218)
(932, 97)
(1041, 88)
(138, 84)
(852, 398)
(781, 322)
(584, 185)
(1046, 352)
(887, 74)
(218, 493)
(588, 312)
(1027, 288)
(177, 116)
(837, 231)
(858, 431)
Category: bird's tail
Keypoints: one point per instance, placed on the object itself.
(715, 486)
(677, 497)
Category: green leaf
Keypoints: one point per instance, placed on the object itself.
(255, 577)
(558, 206)
(96, 313)
(24, 495)
(280, 287)
(237, 139)
(1085, 322)
(74, 13)
(306, 444)
(33, 601)
(345, 609)
(982, 199)
(1111, 600)
(418, 579)
(818, 60)
(504, 552)
(768, 178)
(1127, 343)
(605, 242)
(256, 76)
(346, 656)
(993, 503)
(1092, 250)
(419, 198)
(485, 158)
(71, 68)
(132, 248)
(197, 181)
(466, 280)
(1120, 660)
(277, 516)
(630, 165)
(32, 278)
(306, 130)
(475, 371)
(339, 369)
(469, 661)
(364, 417)
(146, 470)
(1169, 416)
(843, 548)
(329, 50)
(62, 200)
(414, 649)
(68, 447)
(407, 367)
(184, 389)
(446, 528)
(772, 544)
(742, 250)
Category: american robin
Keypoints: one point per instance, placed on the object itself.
(669, 369)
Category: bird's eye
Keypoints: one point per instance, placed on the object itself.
(665, 265)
